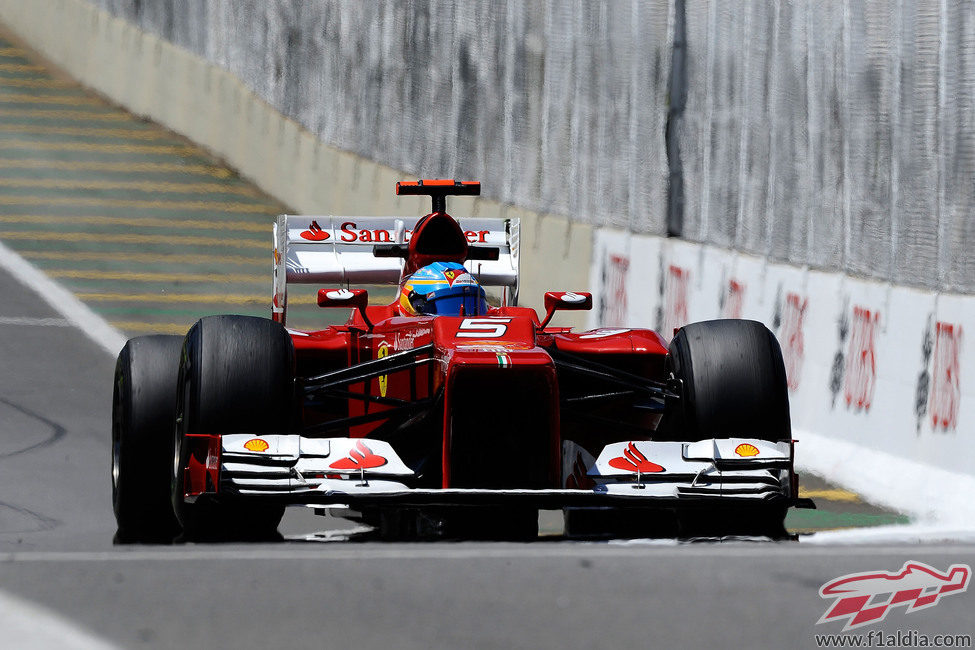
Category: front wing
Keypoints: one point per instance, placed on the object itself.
(361, 473)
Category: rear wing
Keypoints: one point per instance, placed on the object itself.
(340, 251)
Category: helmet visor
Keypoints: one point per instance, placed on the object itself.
(452, 301)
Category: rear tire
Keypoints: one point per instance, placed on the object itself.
(236, 375)
(734, 382)
(143, 416)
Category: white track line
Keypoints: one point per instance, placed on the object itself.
(28, 626)
(62, 301)
(29, 321)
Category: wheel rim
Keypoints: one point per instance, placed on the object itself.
(176, 484)
(117, 418)
(116, 452)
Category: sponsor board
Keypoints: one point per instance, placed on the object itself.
(882, 366)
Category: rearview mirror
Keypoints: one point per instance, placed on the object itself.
(565, 301)
(348, 298)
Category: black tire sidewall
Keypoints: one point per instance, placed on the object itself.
(236, 376)
(143, 411)
(733, 381)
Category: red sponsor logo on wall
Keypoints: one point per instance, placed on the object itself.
(945, 382)
(675, 299)
(617, 266)
(735, 299)
(792, 339)
(860, 376)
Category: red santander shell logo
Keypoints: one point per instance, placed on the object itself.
(633, 460)
(361, 457)
(314, 233)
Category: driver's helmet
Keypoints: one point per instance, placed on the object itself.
(442, 288)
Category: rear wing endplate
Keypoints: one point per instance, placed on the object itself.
(339, 251)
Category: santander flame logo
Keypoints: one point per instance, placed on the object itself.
(361, 457)
(314, 233)
(579, 478)
(633, 460)
(865, 598)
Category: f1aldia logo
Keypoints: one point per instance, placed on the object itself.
(865, 598)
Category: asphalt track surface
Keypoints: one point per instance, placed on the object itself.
(56, 522)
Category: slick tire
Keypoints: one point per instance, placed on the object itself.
(236, 375)
(734, 382)
(143, 419)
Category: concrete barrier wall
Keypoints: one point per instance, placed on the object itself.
(562, 105)
(833, 134)
(209, 105)
(870, 365)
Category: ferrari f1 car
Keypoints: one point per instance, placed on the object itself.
(440, 415)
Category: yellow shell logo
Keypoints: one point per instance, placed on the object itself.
(383, 379)
(256, 444)
(745, 449)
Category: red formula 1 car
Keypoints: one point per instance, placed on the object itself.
(441, 415)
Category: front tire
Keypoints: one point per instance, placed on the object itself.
(734, 385)
(236, 375)
(143, 413)
(734, 382)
